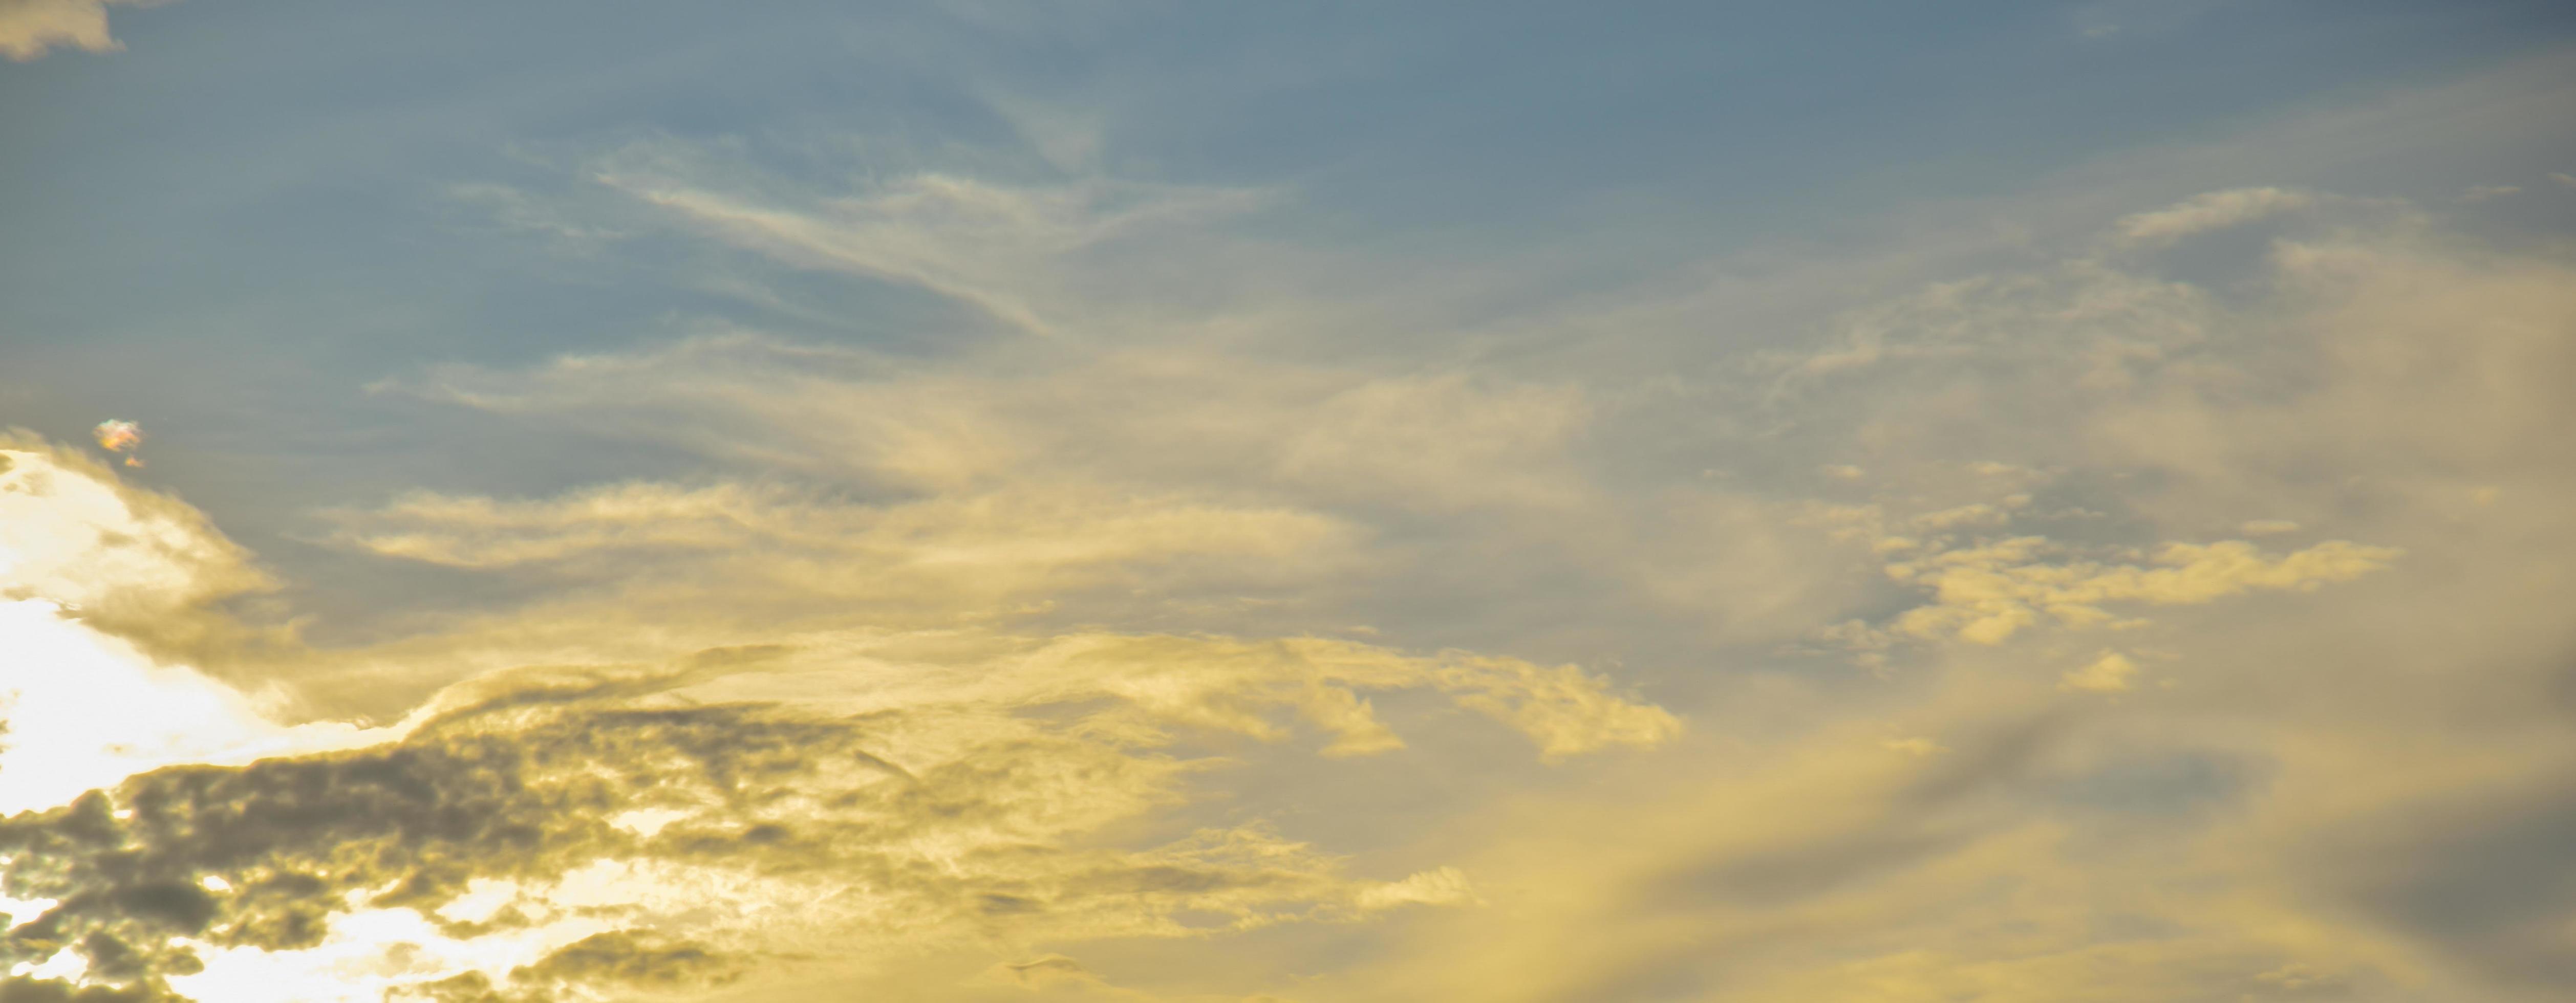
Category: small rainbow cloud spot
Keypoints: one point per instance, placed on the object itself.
(122, 438)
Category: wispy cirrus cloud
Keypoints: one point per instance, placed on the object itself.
(1008, 251)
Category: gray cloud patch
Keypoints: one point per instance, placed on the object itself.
(24, 989)
(620, 958)
(2483, 878)
(296, 840)
(542, 779)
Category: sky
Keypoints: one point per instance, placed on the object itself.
(1119, 500)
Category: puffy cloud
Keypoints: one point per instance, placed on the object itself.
(72, 534)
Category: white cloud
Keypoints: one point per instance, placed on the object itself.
(84, 557)
(84, 710)
(70, 533)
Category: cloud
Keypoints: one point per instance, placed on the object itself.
(937, 821)
(126, 560)
(120, 437)
(453, 803)
(515, 211)
(951, 553)
(77, 536)
(1446, 886)
(1987, 593)
(2110, 673)
(84, 710)
(1048, 972)
(640, 782)
(1973, 820)
(1029, 413)
(932, 672)
(2212, 211)
(619, 959)
(1987, 587)
(1013, 253)
(28, 28)
(1448, 439)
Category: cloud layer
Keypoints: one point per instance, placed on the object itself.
(2172, 612)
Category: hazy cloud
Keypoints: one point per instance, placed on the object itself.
(2212, 211)
(28, 28)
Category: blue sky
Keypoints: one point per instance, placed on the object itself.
(1709, 501)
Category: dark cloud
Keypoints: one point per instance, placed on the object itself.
(618, 959)
(531, 777)
(511, 789)
(22, 989)
(629, 958)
